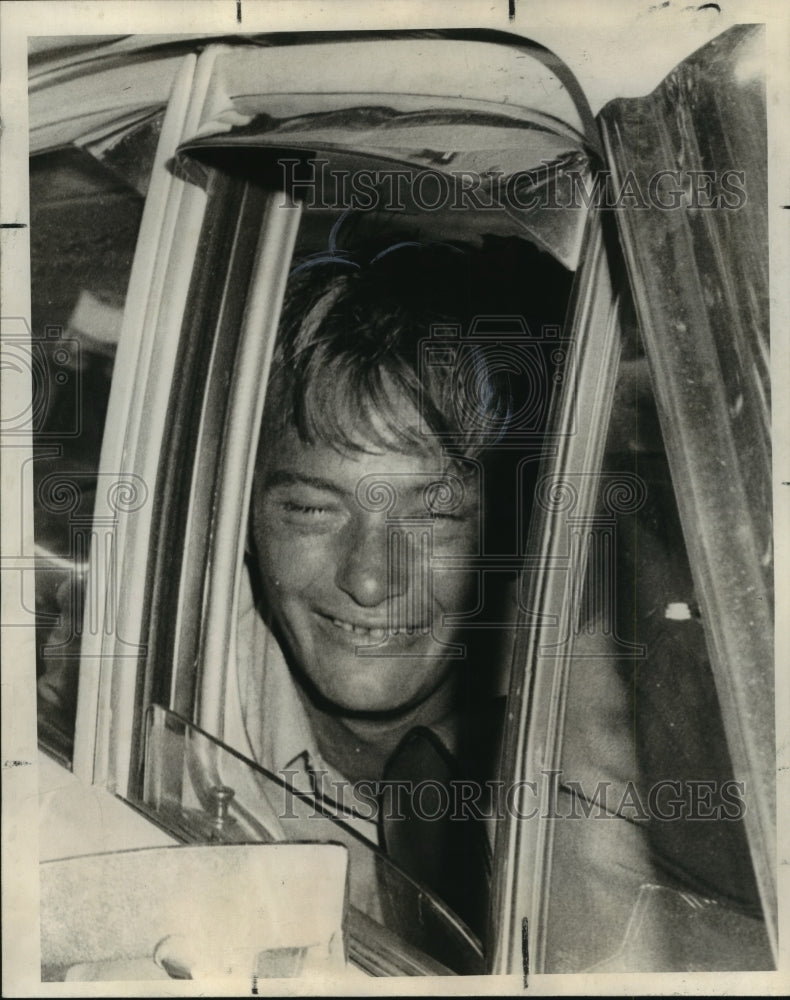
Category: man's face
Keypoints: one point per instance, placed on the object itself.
(345, 566)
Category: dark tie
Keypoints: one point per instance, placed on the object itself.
(425, 833)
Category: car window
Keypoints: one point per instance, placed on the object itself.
(707, 335)
(86, 208)
(644, 799)
(242, 696)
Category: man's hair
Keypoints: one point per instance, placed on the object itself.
(351, 347)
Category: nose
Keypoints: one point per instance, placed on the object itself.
(365, 571)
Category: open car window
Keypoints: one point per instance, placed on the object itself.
(214, 661)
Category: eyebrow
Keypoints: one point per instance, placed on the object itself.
(283, 477)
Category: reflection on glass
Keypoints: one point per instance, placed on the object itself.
(85, 216)
(646, 804)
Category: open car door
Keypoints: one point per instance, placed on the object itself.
(642, 727)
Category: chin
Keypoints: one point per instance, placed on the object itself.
(369, 696)
(364, 692)
(372, 703)
(370, 685)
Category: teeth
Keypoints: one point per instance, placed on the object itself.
(368, 633)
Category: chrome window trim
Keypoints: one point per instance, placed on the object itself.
(240, 439)
(167, 243)
(533, 730)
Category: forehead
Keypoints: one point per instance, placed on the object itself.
(287, 459)
(377, 449)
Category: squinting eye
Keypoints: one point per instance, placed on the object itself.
(306, 509)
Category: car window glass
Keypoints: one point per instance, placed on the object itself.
(707, 332)
(203, 791)
(85, 216)
(645, 801)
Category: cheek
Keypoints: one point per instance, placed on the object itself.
(456, 589)
(292, 562)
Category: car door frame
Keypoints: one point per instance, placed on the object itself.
(167, 244)
(716, 499)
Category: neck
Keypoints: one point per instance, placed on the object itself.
(360, 745)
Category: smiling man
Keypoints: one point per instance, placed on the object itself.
(372, 480)
(347, 578)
